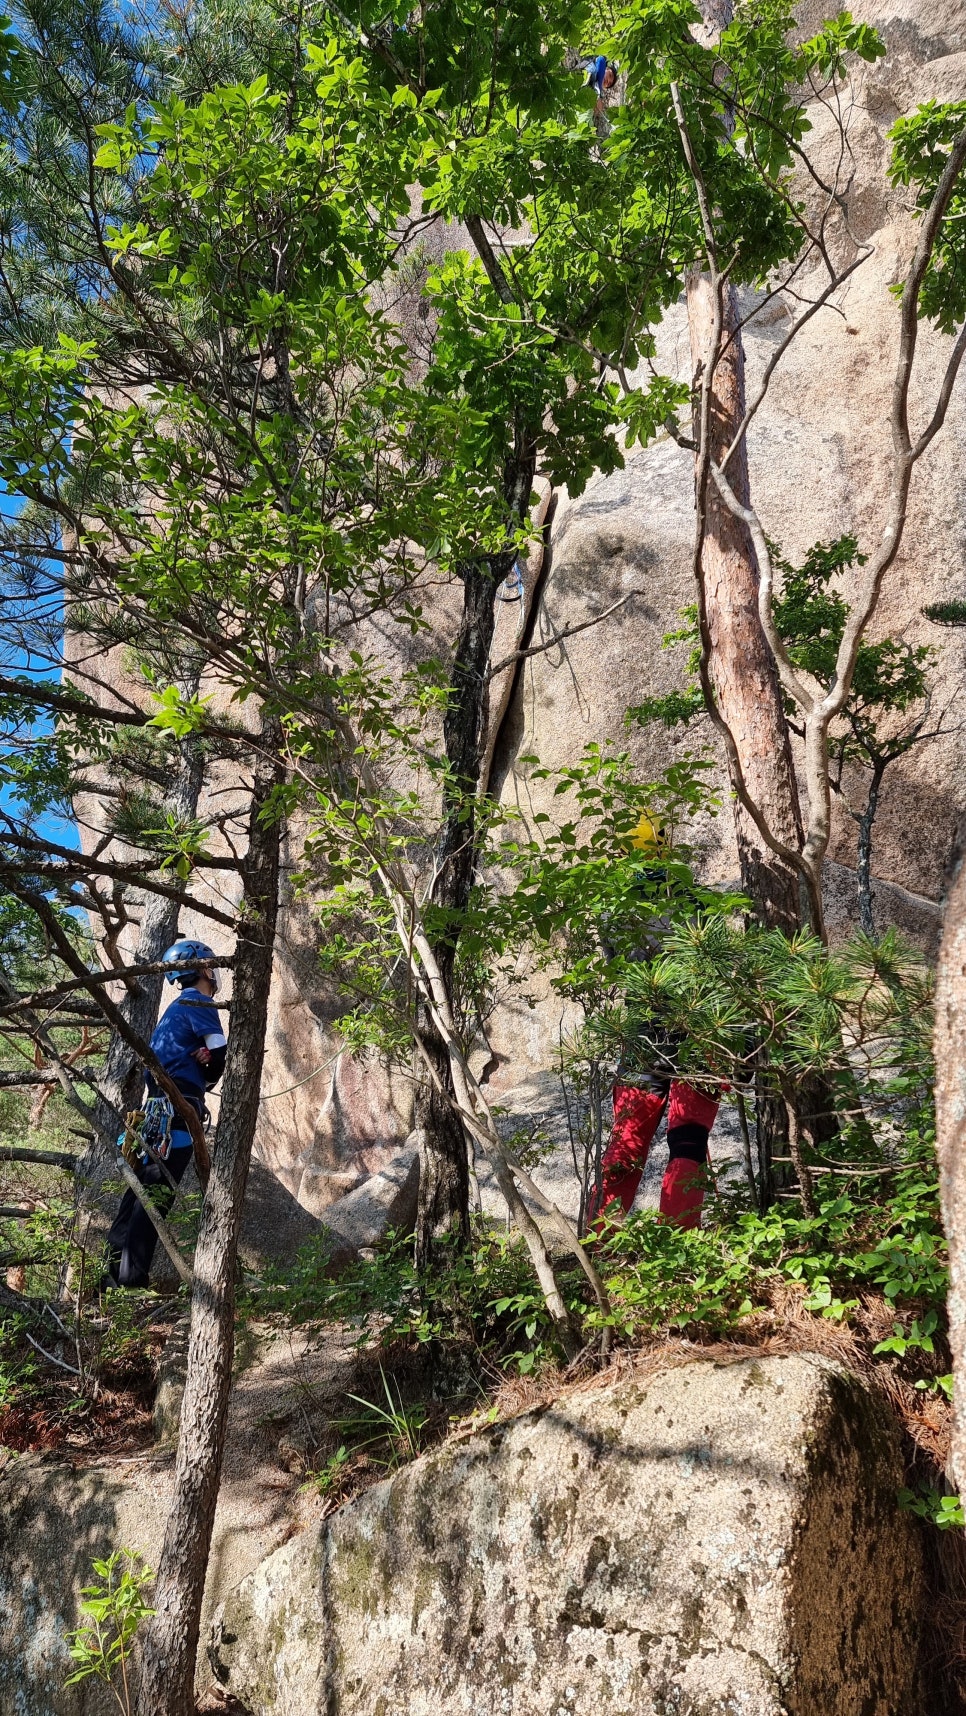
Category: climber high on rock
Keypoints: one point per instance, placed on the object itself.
(190, 1044)
(645, 1087)
(601, 73)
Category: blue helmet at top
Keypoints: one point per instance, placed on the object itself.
(181, 956)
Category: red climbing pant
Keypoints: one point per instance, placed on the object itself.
(637, 1115)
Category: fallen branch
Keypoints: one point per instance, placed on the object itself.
(51, 1357)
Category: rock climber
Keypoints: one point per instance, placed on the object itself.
(602, 74)
(646, 1086)
(190, 1044)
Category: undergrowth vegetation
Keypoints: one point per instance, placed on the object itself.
(660, 1279)
(78, 1365)
(865, 1278)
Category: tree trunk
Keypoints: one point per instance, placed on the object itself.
(123, 1078)
(169, 1649)
(444, 1165)
(864, 866)
(747, 693)
(444, 1177)
(951, 1141)
(743, 670)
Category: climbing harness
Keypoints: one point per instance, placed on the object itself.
(147, 1131)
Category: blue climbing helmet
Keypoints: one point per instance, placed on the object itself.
(180, 957)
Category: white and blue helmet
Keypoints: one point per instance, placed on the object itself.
(181, 956)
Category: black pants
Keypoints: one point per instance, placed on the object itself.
(133, 1236)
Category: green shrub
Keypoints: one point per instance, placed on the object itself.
(115, 1608)
(658, 1277)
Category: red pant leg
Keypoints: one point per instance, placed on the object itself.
(690, 1107)
(690, 1117)
(682, 1192)
(637, 1115)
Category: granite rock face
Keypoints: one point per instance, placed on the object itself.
(57, 1516)
(274, 1226)
(717, 1540)
(363, 1217)
(819, 467)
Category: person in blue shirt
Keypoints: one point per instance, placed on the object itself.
(190, 1044)
(601, 74)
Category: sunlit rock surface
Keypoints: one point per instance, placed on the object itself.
(716, 1540)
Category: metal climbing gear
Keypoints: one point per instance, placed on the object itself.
(156, 1126)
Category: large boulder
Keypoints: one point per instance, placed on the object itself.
(274, 1224)
(363, 1217)
(717, 1540)
(54, 1522)
(274, 1227)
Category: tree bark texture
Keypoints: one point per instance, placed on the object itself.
(444, 1165)
(743, 670)
(169, 1649)
(951, 1141)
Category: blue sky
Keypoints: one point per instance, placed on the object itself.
(14, 659)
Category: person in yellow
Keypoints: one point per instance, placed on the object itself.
(645, 1088)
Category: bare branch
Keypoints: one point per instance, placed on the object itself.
(43, 1158)
(819, 303)
(938, 417)
(136, 872)
(93, 979)
(903, 464)
(48, 697)
(30, 1075)
(491, 263)
(928, 233)
(707, 225)
(559, 637)
(50, 1357)
(84, 865)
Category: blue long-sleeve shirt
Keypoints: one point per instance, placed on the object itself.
(595, 72)
(190, 1023)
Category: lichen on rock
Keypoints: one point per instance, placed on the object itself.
(719, 1540)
